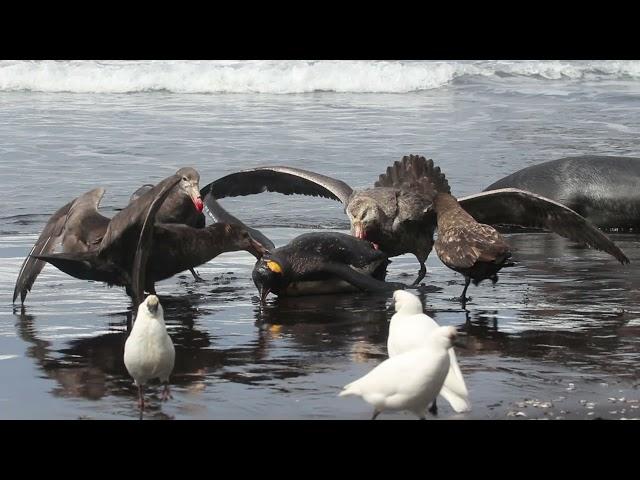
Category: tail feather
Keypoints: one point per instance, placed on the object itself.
(350, 389)
(77, 265)
(415, 172)
(86, 266)
(454, 389)
(460, 404)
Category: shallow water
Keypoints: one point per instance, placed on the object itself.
(556, 337)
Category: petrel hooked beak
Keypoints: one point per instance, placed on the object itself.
(360, 232)
(193, 190)
(196, 198)
(257, 249)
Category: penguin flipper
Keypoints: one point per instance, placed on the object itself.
(360, 280)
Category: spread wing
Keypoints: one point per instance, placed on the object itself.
(87, 202)
(126, 226)
(510, 206)
(220, 215)
(50, 239)
(139, 192)
(284, 180)
(153, 201)
(461, 246)
(84, 224)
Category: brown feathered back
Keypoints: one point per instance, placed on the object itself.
(416, 173)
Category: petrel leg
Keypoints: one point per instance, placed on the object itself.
(433, 409)
(166, 393)
(129, 291)
(375, 414)
(421, 273)
(463, 297)
(197, 277)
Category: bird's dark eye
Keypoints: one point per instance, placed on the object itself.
(184, 178)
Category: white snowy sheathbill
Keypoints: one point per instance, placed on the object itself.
(410, 380)
(149, 351)
(409, 329)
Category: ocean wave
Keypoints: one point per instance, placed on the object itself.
(284, 77)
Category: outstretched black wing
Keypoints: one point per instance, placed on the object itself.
(50, 238)
(145, 241)
(284, 180)
(220, 215)
(510, 206)
(125, 248)
(125, 227)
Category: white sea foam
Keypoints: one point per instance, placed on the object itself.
(285, 76)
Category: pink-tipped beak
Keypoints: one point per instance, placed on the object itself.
(198, 203)
(359, 232)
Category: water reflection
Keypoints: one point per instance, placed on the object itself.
(570, 276)
(351, 324)
(586, 349)
(93, 368)
(577, 310)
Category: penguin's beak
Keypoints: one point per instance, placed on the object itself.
(264, 291)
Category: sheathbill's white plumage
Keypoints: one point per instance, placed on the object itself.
(149, 351)
(410, 380)
(408, 330)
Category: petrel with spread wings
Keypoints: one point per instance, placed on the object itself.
(396, 215)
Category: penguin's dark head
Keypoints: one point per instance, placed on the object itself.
(269, 275)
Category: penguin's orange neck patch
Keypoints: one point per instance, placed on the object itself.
(274, 266)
